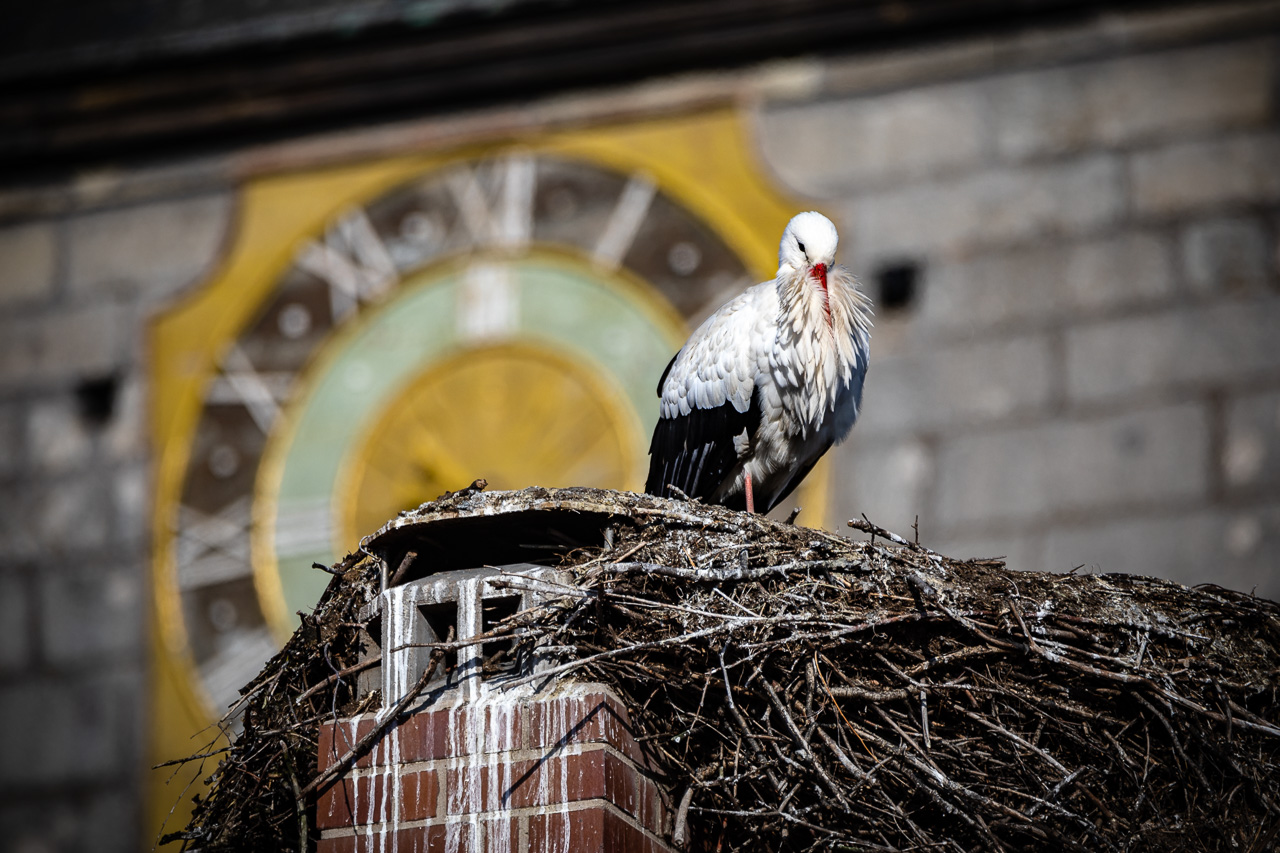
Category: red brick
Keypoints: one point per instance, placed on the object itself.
(451, 732)
(427, 735)
(579, 831)
(598, 774)
(590, 830)
(502, 836)
(634, 793)
(422, 839)
(478, 789)
(621, 785)
(622, 837)
(423, 736)
(556, 779)
(654, 813)
(568, 719)
(444, 838)
(369, 799)
(587, 718)
(336, 739)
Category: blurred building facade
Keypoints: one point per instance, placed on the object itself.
(1068, 218)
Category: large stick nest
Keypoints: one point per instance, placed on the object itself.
(804, 691)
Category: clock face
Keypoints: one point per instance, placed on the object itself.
(504, 318)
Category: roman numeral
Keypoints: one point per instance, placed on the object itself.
(624, 222)
(508, 224)
(241, 384)
(213, 548)
(354, 262)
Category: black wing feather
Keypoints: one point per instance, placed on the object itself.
(695, 452)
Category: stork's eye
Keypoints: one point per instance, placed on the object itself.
(801, 245)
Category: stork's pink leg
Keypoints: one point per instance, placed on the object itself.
(751, 504)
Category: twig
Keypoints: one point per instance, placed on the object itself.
(337, 676)
(403, 568)
(680, 837)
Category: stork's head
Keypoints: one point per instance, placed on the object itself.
(808, 246)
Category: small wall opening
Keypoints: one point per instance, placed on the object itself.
(897, 286)
(96, 399)
(443, 621)
(498, 654)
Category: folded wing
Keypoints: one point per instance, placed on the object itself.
(709, 410)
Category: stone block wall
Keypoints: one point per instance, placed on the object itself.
(81, 268)
(558, 773)
(1087, 371)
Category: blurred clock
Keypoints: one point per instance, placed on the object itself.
(385, 332)
(500, 318)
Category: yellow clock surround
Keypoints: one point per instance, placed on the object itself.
(698, 180)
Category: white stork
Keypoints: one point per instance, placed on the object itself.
(768, 383)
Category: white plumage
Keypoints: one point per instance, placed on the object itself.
(768, 383)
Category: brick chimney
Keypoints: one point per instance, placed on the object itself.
(482, 764)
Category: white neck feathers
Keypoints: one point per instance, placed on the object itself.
(822, 339)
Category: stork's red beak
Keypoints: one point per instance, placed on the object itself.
(819, 272)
